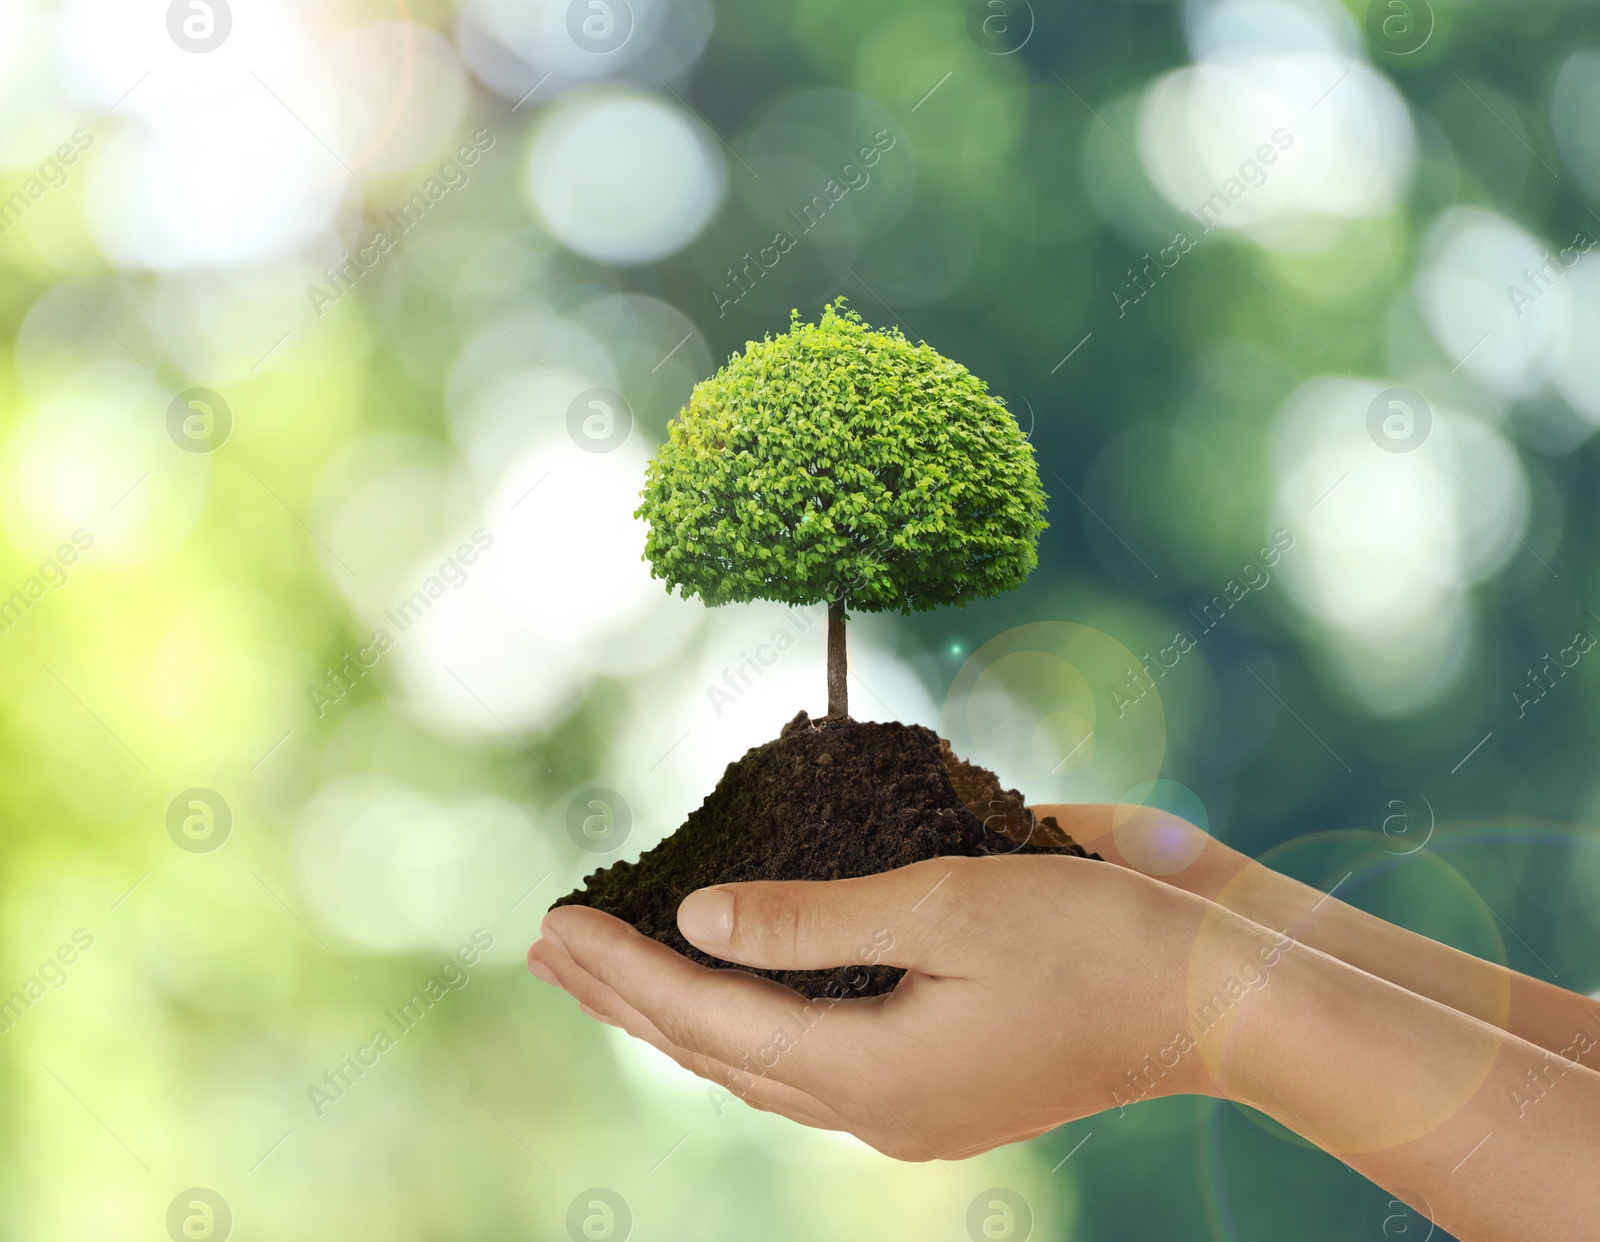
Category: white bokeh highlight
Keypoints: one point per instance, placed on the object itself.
(393, 870)
(624, 177)
(1387, 545)
(1471, 260)
(96, 455)
(1288, 77)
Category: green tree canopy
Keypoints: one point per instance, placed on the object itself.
(834, 461)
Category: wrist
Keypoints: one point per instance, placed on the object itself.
(1208, 970)
(1259, 894)
(1348, 1060)
(1234, 993)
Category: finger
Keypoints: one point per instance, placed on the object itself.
(898, 918)
(600, 1001)
(766, 1094)
(590, 1012)
(752, 1024)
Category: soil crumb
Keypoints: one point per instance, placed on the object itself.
(828, 799)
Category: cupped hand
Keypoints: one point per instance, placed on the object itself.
(1034, 986)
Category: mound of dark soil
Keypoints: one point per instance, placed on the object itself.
(828, 799)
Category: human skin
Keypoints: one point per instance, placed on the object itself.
(1042, 989)
(1156, 843)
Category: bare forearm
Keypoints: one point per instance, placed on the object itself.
(1500, 1138)
(1542, 1014)
(1531, 1009)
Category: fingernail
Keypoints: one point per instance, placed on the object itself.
(540, 971)
(706, 916)
(595, 1014)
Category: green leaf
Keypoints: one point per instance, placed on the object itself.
(837, 454)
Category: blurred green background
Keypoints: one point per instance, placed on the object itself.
(338, 335)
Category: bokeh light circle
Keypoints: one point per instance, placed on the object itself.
(1538, 880)
(623, 177)
(1420, 890)
(1160, 827)
(1036, 706)
(1573, 103)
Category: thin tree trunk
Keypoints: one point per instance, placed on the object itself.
(838, 700)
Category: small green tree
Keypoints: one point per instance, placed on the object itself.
(841, 465)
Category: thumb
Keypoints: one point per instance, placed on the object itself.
(899, 918)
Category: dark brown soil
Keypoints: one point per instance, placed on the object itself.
(828, 799)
